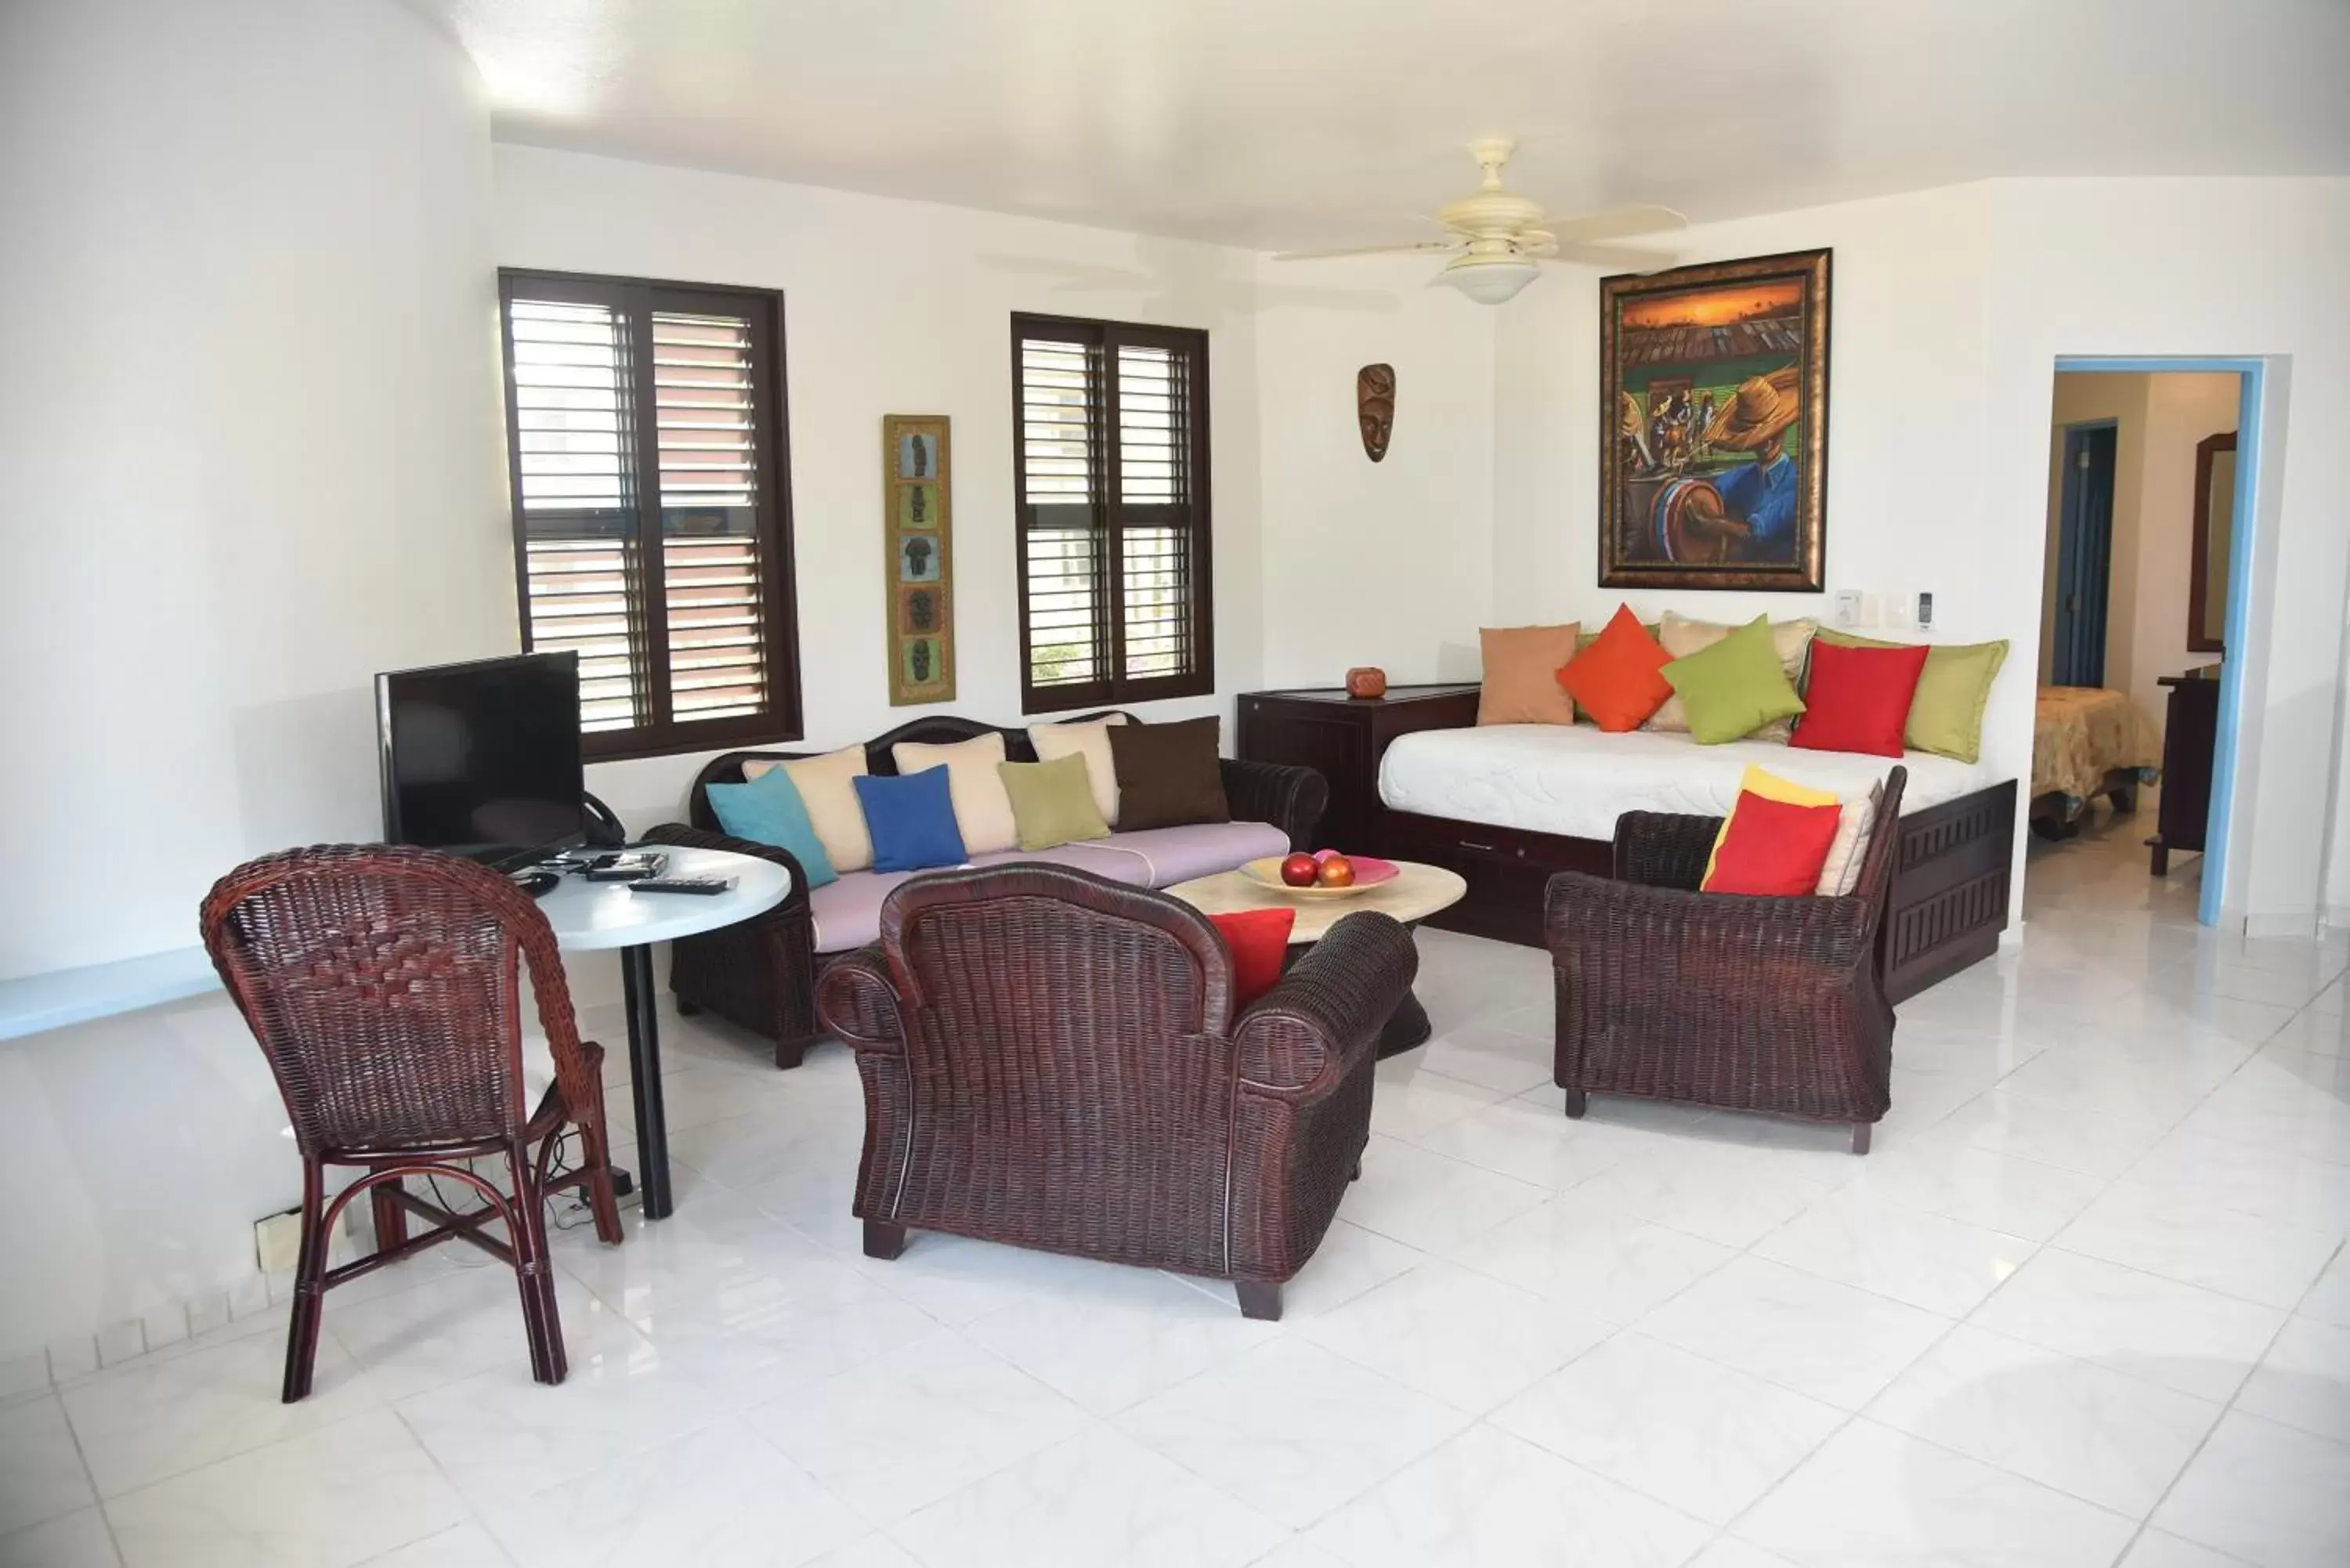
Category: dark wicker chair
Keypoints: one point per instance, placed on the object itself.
(381, 983)
(1753, 1005)
(1051, 1060)
(761, 973)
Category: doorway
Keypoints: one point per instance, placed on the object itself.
(2144, 588)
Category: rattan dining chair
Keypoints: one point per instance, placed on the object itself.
(383, 986)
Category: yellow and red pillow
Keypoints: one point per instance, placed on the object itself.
(1775, 840)
(1619, 679)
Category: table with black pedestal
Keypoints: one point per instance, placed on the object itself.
(594, 917)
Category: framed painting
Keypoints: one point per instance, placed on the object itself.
(918, 548)
(1713, 426)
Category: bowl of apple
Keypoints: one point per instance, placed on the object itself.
(1324, 874)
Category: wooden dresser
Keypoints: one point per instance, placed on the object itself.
(1343, 738)
(2190, 732)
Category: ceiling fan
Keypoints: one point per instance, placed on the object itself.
(1498, 235)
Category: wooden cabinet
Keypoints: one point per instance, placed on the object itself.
(2191, 733)
(1342, 738)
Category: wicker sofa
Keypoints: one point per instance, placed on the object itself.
(1053, 1060)
(762, 974)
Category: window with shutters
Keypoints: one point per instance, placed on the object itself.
(645, 428)
(1110, 444)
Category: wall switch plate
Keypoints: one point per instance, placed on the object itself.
(1848, 608)
(1925, 612)
(1897, 611)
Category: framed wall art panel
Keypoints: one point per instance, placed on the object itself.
(918, 535)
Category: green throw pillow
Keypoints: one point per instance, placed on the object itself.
(1735, 687)
(1946, 715)
(1053, 803)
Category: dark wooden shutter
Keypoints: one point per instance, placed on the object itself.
(1111, 452)
(651, 520)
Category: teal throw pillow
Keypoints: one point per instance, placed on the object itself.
(769, 810)
(1735, 687)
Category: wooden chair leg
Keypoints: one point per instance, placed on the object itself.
(309, 1286)
(535, 1272)
(883, 1240)
(1860, 1135)
(1577, 1102)
(391, 1218)
(596, 1149)
(1258, 1300)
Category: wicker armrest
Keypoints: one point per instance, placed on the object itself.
(1661, 850)
(684, 838)
(1291, 798)
(856, 999)
(1297, 1038)
(1672, 933)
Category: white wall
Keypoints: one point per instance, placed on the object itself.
(1950, 309)
(1388, 563)
(248, 457)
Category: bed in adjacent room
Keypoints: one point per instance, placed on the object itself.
(2089, 740)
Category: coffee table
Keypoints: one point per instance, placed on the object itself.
(1417, 892)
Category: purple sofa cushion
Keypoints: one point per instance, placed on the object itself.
(1172, 855)
(847, 913)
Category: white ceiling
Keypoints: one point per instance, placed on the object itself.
(1285, 123)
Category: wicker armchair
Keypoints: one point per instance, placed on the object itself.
(1051, 1060)
(381, 985)
(1753, 1005)
(760, 974)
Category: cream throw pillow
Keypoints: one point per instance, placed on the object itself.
(981, 806)
(1090, 740)
(825, 790)
(1681, 637)
(1854, 829)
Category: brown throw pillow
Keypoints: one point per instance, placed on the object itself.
(1168, 775)
(1521, 666)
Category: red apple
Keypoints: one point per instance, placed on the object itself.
(1337, 871)
(1298, 871)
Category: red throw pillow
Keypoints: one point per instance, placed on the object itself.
(1260, 942)
(1617, 679)
(1773, 847)
(1858, 698)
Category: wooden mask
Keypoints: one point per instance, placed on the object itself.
(1375, 388)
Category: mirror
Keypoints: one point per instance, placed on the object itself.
(2215, 516)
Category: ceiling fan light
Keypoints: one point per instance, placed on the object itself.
(1496, 281)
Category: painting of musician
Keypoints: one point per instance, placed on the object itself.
(1714, 468)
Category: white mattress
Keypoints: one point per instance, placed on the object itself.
(1577, 780)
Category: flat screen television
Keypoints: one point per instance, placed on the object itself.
(483, 759)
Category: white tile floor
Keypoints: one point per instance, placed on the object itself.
(2087, 1304)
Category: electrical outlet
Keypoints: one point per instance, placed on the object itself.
(1848, 608)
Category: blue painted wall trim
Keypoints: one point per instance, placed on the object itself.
(2239, 577)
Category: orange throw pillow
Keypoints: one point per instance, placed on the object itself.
(1617, 680)
(1522, 665)
(1773, 847)
(1260, 942)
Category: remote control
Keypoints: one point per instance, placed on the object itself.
(704, 885)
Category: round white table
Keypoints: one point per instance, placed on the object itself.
(1417, 892)
(594, 917)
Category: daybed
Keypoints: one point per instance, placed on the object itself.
(1507, 805)
(2087, 740)
(762, 974)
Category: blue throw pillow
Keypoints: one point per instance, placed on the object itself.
(911, 820)
(769, 810)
